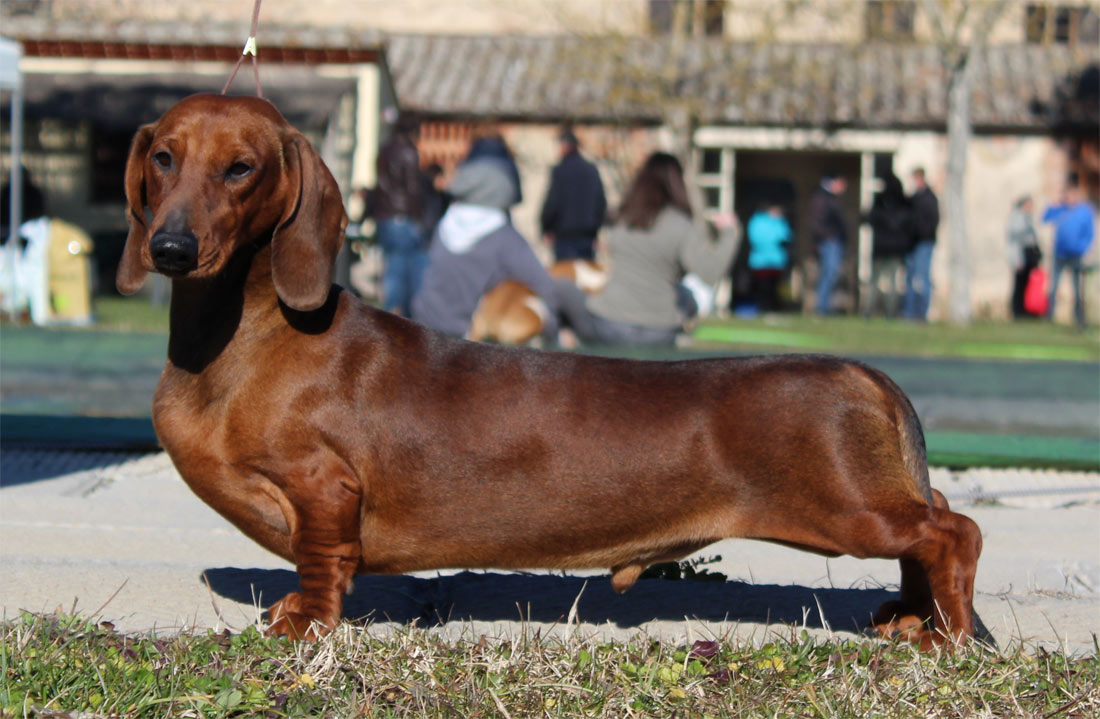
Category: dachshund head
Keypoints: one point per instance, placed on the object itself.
(216, 174)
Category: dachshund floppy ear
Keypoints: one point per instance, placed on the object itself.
(311, 231)
(131, 269)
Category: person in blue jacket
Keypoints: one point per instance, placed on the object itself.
(769, 235)
(1074, 231)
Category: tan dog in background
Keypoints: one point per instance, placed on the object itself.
(512, 314)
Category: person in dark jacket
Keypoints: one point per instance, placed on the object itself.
(575, 204)
(891, 220)
(1023, 251)
(829, 234)
(434, 199)
(398, 213)
(918, 263)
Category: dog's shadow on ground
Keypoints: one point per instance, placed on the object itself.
(546, 598)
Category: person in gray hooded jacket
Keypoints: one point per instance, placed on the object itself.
(474, 249)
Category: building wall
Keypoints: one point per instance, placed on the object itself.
(419, 16)
(808, 21)
(1000, 170)
(844, 20)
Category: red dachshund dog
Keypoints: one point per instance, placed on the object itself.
(347, 440)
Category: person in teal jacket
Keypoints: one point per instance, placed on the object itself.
(769, 235)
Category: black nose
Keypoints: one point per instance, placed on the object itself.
(174, 253)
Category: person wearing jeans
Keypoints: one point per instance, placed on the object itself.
(918, 281)
(918, 263)
(830, 256)
(398, 212)
(403, 248)
(575, 204)
(1074, 231)
(1073, 264)
(828, 232)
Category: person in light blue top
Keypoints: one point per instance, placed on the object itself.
(1074, 231)
(769, 235)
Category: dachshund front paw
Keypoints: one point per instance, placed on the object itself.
(288, 620)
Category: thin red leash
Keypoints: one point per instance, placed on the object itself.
(249, 49)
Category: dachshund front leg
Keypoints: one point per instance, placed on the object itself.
(327, 550)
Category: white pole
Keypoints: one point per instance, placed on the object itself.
(865, 248)
(16, 192)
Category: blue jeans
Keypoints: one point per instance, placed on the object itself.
(918, 281)
(830, 256)
(1074, 266)
(595, 330)
(405, 260)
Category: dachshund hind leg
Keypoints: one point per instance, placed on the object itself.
(913, 611)
(937, 581)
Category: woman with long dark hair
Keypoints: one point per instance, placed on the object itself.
(652, 246)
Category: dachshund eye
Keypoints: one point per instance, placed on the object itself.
(238, 170)
(163, 160)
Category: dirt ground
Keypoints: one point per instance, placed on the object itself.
(120, 536)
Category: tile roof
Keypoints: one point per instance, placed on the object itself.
(122, 102)
(551, 78)
(873, 85)
(188, 41)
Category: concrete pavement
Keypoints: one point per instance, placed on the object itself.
(121, 536)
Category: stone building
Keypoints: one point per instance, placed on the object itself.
(772, 118)
(777, 92)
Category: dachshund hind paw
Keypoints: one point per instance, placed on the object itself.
(896, 620)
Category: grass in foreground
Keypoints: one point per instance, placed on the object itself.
(63, 666)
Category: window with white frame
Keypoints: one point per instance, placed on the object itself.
(690, 17)
(1051, 23)
(715, 179)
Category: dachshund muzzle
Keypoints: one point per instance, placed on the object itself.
(174, 253)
